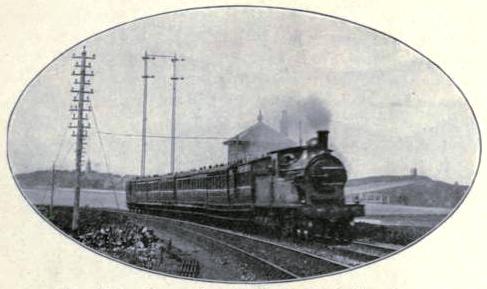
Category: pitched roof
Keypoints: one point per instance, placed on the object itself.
(263, 134)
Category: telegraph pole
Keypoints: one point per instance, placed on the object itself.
(145, 76)
(174, 59)
(174, 79)
(80, 115)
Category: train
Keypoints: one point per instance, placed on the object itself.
(296, 191)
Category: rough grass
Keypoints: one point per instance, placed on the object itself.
(401, 235)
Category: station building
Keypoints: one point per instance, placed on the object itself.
(258, 140)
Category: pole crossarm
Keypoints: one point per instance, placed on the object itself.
(87, 82)
(153, 56)
(75, 108)
(73, 90)
(75, 73)
(85, 57)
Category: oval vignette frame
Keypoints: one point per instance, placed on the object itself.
(452, 211)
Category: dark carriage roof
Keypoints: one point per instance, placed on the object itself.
(210, 170)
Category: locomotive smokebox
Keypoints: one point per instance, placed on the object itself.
(322, 142)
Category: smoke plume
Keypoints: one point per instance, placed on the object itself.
(313, 113)
(310, 111)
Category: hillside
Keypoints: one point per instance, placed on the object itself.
(67, 179)
(408, 190)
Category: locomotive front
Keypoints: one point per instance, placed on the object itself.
(319, 178)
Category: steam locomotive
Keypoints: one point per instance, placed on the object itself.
(297, 191)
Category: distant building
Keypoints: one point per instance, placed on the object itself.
(256, 141)
(88, 168)
(414, 172)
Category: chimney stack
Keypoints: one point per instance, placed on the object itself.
(322, 139)
(284, 125)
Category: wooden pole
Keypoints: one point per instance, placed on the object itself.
(143, 152)
(81, 126)
(174, 79)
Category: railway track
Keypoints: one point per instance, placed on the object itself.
(364, 252)
(382, 249)
(292, 262)
(280, 261)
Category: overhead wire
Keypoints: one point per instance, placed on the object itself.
(60, 147)
(56, 159)
(105, 156)
(163, 136)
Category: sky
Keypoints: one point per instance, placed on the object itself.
(388, 109)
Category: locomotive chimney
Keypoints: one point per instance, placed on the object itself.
(322, 139)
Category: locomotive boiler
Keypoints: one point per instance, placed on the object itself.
(296, 191)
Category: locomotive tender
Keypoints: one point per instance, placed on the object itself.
(297, 191)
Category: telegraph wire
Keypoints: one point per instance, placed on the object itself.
(105, 156)
(163, 136)
(61, 146)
